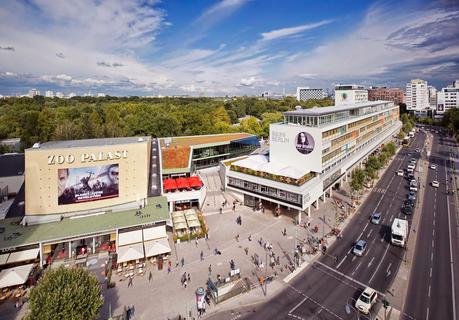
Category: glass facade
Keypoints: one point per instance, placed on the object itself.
(310, 120)
(262, 190)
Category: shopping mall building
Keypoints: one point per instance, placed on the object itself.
(64, 201)
(310, 152)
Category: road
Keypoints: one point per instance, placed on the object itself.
(432, 282)
(338, 278)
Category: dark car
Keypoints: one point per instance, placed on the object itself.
(408, 203)
(408, 210)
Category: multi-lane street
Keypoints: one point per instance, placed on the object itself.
(329, 288)
(431, 292)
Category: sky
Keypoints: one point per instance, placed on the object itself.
(224, 47)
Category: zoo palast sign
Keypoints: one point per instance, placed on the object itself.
(87, 157)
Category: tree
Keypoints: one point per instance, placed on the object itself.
(65, 294)
(251, 125)
(268, 118)
(358, 178)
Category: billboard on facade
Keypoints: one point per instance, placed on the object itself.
(77, 185)
(296, 146)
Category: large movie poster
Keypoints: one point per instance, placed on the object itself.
(77, 185)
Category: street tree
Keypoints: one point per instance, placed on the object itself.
(65, 293)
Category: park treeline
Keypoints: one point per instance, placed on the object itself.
(41, 119)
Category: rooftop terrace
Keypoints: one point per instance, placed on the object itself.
(12, 234)
(88, 143)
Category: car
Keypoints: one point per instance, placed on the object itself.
(413, 182)
(408, 203)
(433, 167)
(376, 218)
(414, 188)
(418, 150)
(366, 300)
(409, 154)
(435, 184)
(408, 210)
(412, 196)
(359, 248)
(413, 160)
(400, 173)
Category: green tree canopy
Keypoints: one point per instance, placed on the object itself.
(358, 178)
(65, 294)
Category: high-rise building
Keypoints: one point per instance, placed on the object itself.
(417, 97)
(448, 98)
(306, 93)
(432, 97)
(49, 94)
(396, 95)
(350, 94)
(33, 92)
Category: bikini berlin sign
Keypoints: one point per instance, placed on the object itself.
(296, 146)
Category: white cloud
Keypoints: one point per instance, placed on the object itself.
(248, 82)
(219, 11)
(286, 32)
(368, 51)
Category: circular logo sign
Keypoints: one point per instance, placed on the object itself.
(344, 95)
(304, 143)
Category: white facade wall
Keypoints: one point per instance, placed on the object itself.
(417, 96)
(350, 97)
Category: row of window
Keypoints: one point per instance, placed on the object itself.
(265, 190)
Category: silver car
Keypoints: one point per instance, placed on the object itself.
(359, 248)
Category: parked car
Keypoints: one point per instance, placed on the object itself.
(408, 210)
(435, 184)
(418, 150)
(376, 218)
(412, 196)
(433, 167)
(409, 203)
(414, 188)
(359, 247)
(366, 300)
(400, 172)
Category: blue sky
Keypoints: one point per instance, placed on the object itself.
(234, 47)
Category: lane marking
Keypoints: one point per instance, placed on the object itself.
(345, 276)
(380, 262)
(369, 233)
(429, 292)
(433, 243)
(430, 273)
(387, 270)
(339, 264)
(353, 272)
(431, 256)
(427, 311)
(371, 261)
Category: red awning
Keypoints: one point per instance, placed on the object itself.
(195, 182)
(170, 184)
(182, 183)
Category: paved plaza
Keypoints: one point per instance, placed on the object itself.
(164, 297)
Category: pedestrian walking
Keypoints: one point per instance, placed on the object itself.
(221, 210)
(188, 277)
(210, 269)
(246, 250)
(196, 241)
(202, 255)
(263, 209)
(285, 232)
(169, 263)
(150, 276)
(234, 207)
(250, 237)
(185, 284)
(207, 236)
(182, 261)
(130, 284)
(169, 269)
(237, 237)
